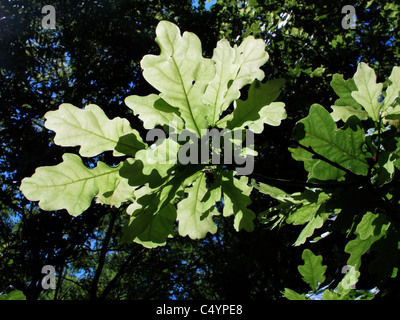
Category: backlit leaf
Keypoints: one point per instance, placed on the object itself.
(345, 112)
(154, 111)
(393, 90)
(293, 295)
(224, 57)
(259, 108)
(90, 129)
(236, 199)
(194, 92)
(342, 146)
(315, 223)
(180, 73)
(313, 271)
(368, 90)
(370, 229)
(249, 56)
(195, 213)
(344, 88)
(71, 185)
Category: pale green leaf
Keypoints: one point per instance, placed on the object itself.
(161, 156)
(368, 90)
(392, 92)
(70, 185)
(271, 114)
(233, 75)
(366, 228)
(313, 271)
(344, 88)
(236, 195)
(151, 230)
(226, 71)
(90, 129)
(293, 295)
(370, 229)
(258, 108)
(345, 112)
(154, 111)
(180, 73)
(315, 223)
(121, 192)
(153, 213)
(194, 214)
(249, 57)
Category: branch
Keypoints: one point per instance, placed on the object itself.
(334, 164)
(298, 183)
(120, 272)
(69, 288)
(102, 259)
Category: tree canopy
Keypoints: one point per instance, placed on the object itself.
(93, 57)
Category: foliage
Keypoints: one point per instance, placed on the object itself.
(313, 274)
(194, 93)
(360, 155)
(93, 58)
(13, 295)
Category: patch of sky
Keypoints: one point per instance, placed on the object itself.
(208, 4)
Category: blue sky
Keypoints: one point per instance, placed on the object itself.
(208, 4)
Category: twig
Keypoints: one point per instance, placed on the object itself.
(119, 274)
(298, 183)
(332, 163)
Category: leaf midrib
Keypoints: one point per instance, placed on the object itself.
(182, 84)
(82, 179)
(186, 95)
(219, 88)
(375, 111)
(337, 147)
(80, 128)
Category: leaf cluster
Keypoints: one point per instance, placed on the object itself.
(358, 157)
(194, 94)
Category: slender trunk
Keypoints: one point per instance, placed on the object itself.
(102, 258)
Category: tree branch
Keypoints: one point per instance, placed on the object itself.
(103, 253)
(332, 163)
(120, 272)
(298, 183)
